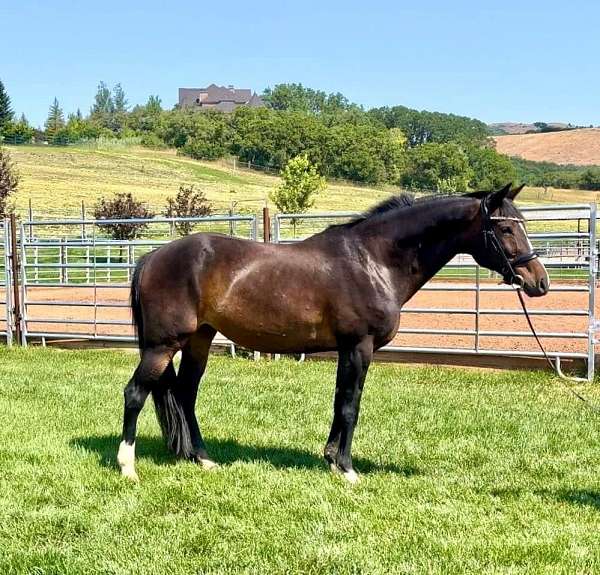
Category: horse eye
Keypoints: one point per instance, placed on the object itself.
(506, 230)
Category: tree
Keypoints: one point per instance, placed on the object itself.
(188, 203)
(119, 116)
(428, 127)
(154, 105)
(491, 170)
(297, 98)
(18, 132)
(119, 100)
(301, 182)
(438, 167)
(6, 112)
(122, 206)
(55, 121)
(103, 102)
(9, 181)
(102, 113)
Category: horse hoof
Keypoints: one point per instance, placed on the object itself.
(130, 474)
(350, 476)
(208, 464)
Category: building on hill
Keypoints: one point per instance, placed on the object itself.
(224, 99)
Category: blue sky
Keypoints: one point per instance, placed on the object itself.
(497, 61)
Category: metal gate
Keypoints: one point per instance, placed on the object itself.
(75, 278)
(463, 311)
(7, 323)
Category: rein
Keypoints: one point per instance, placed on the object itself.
(514, 279)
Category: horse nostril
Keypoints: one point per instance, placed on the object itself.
(543, 285)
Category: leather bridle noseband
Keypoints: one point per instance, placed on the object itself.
(490, 238)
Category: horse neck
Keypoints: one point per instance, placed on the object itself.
(417, 242)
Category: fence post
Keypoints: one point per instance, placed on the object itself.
(30, 219)
(592, 263)
(266, 225)
(130, 260)
(83, 219)
(14, 255)
(63, 261)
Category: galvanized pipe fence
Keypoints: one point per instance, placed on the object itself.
(68, 279)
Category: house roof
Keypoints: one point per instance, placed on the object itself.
(216, 94)
(219, 97)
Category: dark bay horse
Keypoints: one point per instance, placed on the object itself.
(342, 289)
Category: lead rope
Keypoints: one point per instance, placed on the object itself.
(556, 366)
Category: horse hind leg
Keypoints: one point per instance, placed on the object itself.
(148, 373)
(193, 363)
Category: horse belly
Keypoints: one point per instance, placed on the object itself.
(275, 322)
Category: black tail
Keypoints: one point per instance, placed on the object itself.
(171, 418)
(169, 410)
(136, 302)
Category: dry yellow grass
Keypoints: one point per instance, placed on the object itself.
(579, 147)
(57, 180)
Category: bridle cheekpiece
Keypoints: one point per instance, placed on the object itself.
(490, 238)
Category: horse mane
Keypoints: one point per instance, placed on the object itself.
(404, 200)
(400, 201)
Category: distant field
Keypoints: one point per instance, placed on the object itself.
(578, 147)
(58, 179)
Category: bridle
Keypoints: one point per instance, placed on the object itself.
(490, 239)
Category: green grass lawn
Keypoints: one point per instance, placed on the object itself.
(462, 471)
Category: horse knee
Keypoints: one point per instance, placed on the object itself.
(134, 395)
(349, 414)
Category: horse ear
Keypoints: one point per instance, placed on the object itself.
(512, 194)
(494, 199)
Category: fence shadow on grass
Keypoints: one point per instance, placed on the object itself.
(583, 497)
(226, 452)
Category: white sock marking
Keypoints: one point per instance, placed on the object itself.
(126, 460)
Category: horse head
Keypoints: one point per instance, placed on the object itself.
(501, 243)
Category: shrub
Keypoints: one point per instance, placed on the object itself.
(151, 140)
(122, 206)
(188, 203)
(9, 181)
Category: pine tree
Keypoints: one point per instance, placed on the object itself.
(55, 121)
(120, 102)
(6, 113)
(103, 102)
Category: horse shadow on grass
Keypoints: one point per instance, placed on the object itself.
(227, 452)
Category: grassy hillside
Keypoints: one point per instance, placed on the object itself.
(58, 179)
(578, 147)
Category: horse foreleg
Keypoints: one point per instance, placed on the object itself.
(191, 370)
(353, 365)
